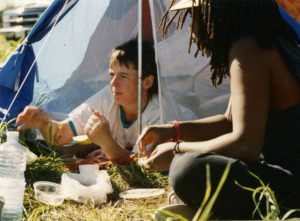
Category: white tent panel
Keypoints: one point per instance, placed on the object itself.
(73, 63)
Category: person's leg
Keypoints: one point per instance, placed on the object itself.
(188, 179)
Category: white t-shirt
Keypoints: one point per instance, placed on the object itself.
(103, 102)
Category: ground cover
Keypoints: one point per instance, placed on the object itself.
(123, 177)
(50, 166)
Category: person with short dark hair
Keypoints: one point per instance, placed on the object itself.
(108, 118)
(248, 41)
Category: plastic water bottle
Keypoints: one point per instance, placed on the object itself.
(12, 181)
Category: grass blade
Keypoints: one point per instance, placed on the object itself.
(289, 213)
(207, 210)
(207, 194)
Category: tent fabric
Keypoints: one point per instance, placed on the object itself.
(21, 62)
(72, 59)
(54, 14)
(11, 76)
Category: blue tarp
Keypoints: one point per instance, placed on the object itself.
(14, 69)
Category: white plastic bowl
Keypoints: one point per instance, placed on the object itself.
(48, 192)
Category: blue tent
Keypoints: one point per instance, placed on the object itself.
(67, 54)
(22, 62)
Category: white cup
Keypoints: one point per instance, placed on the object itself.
(88, 173)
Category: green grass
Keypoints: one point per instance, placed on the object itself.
(205, 210)
(264, 194)
(6, 47)
(50, 169)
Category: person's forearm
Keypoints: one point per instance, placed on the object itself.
(205, 129)
(52, 132)
(112, 150)
(230, 145)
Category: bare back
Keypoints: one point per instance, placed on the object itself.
(285, 88)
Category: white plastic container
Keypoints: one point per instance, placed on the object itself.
(12, 181)
(88, 173)
(48, 192)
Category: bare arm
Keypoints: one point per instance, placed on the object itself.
(52, 131)
(58, 132)
(206, 128)
(196, 130)
(250, 73)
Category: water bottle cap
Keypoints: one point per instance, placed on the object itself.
(12, 135)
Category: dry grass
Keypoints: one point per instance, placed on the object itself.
(112, 210)
(123, 177)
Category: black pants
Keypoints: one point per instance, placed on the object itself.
(188, 179)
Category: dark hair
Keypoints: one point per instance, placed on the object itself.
(127, 54)
(223, 22)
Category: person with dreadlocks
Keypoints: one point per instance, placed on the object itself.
(259, 133)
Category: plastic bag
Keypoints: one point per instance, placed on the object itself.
(74, 189)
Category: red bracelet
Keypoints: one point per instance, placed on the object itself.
(178, 130)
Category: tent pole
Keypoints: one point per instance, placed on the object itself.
(140, 22)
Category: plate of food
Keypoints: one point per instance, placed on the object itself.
(141, 193)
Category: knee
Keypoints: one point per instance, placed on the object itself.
(186, 167)
(191, 167)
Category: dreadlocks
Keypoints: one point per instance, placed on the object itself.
(223, 22)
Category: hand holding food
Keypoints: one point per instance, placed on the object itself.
(152, 136)
(97, 129)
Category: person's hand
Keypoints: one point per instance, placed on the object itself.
(97, 129)
(32, 117)
(153, 135)
(161, 158)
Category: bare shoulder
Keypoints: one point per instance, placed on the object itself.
(247, 49)
(244, 43)
(250, 61)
